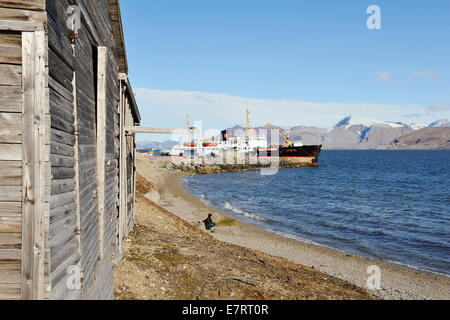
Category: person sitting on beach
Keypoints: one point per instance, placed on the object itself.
(209, 224)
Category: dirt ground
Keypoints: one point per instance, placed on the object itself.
(166, 258)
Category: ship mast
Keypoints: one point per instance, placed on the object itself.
(248, 122)
(188, 127)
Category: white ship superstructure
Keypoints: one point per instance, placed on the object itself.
(248, 143)
(210, 147)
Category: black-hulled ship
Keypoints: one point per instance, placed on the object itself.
(250, 144)
(307, 155)
(299, 154)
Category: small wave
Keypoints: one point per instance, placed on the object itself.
(421, 269)
(205, 200)
(228, 206)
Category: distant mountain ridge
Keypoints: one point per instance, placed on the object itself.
(351, 133)
(358, 133)
(359, 121)
(431, 138)
(145, 144)
(440, 124)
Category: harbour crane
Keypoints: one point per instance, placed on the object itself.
(288, 142)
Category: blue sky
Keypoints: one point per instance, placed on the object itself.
(294, 62)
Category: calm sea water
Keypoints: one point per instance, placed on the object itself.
(389, 205)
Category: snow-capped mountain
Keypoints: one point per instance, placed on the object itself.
(359, 121)
(418, 126)
(352, 132)
(355, 132)
(440, 124)
(437, 124)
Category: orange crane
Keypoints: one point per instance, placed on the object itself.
(288, 142)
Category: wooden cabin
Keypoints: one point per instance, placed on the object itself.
(67, 165)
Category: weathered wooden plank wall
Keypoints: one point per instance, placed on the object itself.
(92, 248)
(97, 250)
(127, 183)
(130, 170)
(64, 240)
(12, 12)
(10, 164)
(112, 154)
(35, 276)
(65, 224)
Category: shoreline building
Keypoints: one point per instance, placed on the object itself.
(67, 163)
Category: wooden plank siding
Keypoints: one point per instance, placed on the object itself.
(74, 76)
(37, 5)
(10, 164)
(61, 126)
(86, 51)
(64, 240)
(35, 276)
(17, 16)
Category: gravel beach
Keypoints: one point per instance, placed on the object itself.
(397, 282)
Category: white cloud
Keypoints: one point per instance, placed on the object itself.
(388, 76)
(440, 107)
(166, 108)
(424, 74)
(383, 76)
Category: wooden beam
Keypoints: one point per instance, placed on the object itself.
(25, 26)
(130, 94)
(33, 164)
(38, 5)
(28, 163)
(122, 175)
(123, 154)
(77, 160)
(117, 28)
(101, 142)
(134, 179)
(128, 122)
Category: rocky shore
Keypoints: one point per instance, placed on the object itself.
(170, 255)
(207, 166)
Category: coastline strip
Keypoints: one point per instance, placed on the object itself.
(397, 282)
